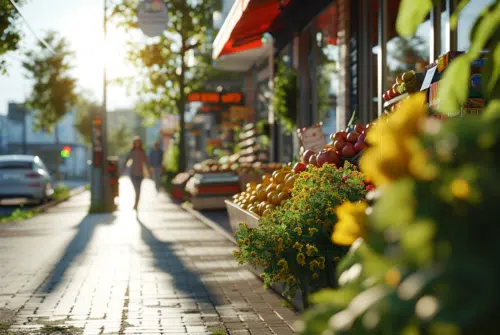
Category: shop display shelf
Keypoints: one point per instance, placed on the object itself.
(392, 102)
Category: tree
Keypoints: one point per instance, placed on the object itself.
(119, 140)
(54, 89)
(174, 64)
(86, 110)
(9, 30)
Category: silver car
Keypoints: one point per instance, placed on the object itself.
(24, 176)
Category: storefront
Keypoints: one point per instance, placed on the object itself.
(346, 53)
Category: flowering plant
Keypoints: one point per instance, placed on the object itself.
(293, 243)
(428, 261)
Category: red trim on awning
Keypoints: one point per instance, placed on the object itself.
(244, 26)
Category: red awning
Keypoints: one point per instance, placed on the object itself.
(245, 24)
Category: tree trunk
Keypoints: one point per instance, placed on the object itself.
(182, 123)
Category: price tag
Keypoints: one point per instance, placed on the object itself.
(312, 138)
(428, 78)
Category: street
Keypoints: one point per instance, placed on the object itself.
(162, 272)
(9, 206)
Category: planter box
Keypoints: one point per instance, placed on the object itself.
(238, 215)
(249, 177)
(206, 203)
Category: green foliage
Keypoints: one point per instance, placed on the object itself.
(53, 93)
(429, 262)
(172, 158)
(293, 243)
(86, 111)
(61, 192)
(284, 99)
(10, 34)
(411, 14)
(119, 140)
(19, 215)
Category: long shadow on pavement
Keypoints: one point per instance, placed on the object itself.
(167, 261)
(75, 248)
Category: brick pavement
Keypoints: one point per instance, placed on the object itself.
(163, 272)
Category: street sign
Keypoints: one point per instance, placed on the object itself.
(152, 17)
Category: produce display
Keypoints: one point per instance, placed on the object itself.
(178, 185)
(271, 192)
(405, 83)
(210, 190)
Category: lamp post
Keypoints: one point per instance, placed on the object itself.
(100, 188)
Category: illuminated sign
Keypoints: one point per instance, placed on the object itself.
(206, 97)
(241, 113)
(230, 98)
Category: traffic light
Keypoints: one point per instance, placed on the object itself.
(66, 152)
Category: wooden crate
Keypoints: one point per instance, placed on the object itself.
(238, 215)
(207, 203)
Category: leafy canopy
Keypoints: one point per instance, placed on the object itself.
(10, 34)
(173, 64)
(53, 92)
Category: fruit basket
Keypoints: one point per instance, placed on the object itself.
(210, 190)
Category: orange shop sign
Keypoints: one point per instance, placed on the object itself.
(214, 142)
(206, 97)
(241, 113)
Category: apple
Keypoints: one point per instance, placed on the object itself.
(348, 150)
(299, 167)
(362, 138)
(359, 128)
(352, 137)
(339, 144)
(359, 146)
(328, 157)
(340, 135)
(312, 160)
(385, 96)
(307, 154)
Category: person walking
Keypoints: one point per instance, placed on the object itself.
(139, 163)
(156, 162)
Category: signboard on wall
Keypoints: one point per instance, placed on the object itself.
(312, 138)
(241, 113)
(152, 17)
(229, 98)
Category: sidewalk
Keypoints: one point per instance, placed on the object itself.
(164, 272)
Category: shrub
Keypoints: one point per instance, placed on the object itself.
(293, 243)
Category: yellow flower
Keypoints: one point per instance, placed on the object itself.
(253, 254)
(291, 279)
(301, 259)
(395, 150)
(315, 276)
(236, 253)
(298, 246)
(311, 249)
(351, 217)
(309, 221)
(460, 189)
(392, 277)
(313, 264)
(262, 275)
(312, 231)
(283, 263)
(298, 230)
(321, 262)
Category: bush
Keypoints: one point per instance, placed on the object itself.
(61, 192)
(428, 261)
(293, 243)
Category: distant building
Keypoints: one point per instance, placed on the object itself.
(18, 137)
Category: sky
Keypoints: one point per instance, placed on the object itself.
(81, 22)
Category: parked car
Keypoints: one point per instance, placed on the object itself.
(24, 176)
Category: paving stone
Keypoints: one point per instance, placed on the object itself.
(163, 273)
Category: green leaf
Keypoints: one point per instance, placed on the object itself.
(456, 14)
(411, 14)
(339, 298)
(483, 31)
(492, 110)
(491, 74)
(454, 86)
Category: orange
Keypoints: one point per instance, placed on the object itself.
(266, 212)
(270, 188)
(280, 187)
(283, 196)
(266, 179)
(253, 199)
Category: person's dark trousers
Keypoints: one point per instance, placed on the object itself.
(137, 181)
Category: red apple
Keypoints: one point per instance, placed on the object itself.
(359, 128)
(328, 157)
(361, 138)
(299, 167)
(348, 150)
(339, 144)
(352, 137)
(385, 96)
(340, 135)
(312, 160)
(306, 155)
(359, 146)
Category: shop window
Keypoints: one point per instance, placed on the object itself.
(327, 57)
(467, 17)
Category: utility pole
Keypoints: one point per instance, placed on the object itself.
(101, 193)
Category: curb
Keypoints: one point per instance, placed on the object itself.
(188, 208)
(72, 193)
(297, 307)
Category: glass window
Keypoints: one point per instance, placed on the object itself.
(466, 20)
(327, 58)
